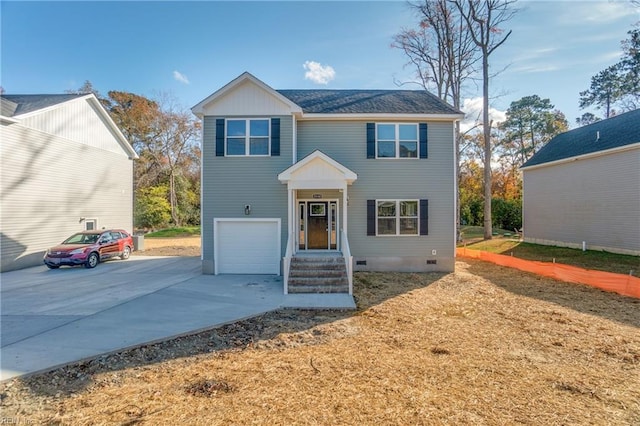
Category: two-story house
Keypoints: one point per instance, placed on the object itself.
(582, 189)
(66, 167)
(294, 181)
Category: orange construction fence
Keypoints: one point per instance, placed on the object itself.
(627, 285)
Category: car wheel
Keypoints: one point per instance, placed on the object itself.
(92, 261)
(52, 266)
(125, 253)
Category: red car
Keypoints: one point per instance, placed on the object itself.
(89, 248)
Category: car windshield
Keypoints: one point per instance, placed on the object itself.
(82, 239)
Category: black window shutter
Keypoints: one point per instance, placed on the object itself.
(371, 140)
(424, 217)
(424, 153)
(371, 217)
(220, 137)
(275, 136)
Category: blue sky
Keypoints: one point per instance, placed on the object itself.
(190, 49)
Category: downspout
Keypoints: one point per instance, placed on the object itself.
(201, 186)
(294, 150)
(456, 185)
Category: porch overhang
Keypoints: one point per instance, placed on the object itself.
(317, 171)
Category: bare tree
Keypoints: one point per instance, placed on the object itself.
(175, 133)
(443, 54)
(483, 19)
(442, 51)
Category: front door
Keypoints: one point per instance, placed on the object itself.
(318, 225)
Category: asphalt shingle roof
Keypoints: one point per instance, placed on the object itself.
(368, 102)
(614, 132)
(23, 104)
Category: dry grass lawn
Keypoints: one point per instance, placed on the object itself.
(484, 346)
(175, 246)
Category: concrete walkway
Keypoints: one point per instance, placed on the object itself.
(55, 317)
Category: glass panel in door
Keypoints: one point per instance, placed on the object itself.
(302, 241)
(334, 225)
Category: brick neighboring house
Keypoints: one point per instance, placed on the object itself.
(364, 179)
(584, 187)
(66, 167)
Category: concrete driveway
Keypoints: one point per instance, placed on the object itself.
(55, 317)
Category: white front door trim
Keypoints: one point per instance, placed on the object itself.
(297, 221)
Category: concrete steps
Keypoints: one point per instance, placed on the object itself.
(318, 274)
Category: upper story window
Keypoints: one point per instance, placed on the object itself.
(396, 140)
(247, 137)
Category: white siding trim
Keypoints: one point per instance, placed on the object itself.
(6, 119)
(380, 116)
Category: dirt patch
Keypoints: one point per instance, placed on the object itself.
(186, 246)
(486, 345)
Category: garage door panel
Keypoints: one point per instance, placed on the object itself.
(248, 246)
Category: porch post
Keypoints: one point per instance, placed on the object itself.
(344, 209)
(290, 217)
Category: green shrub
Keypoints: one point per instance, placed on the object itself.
(152, 209)
(506, 214)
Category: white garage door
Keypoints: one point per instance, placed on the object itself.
(247, 246)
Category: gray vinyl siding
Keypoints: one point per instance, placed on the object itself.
(49, 183)
(431, 178)
(596, 200)
(230, 183)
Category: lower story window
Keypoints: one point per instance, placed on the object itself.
(397, 217)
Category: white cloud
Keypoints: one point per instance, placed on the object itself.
(536, 68)
(472, 107)
(600, 12)
(178, 76)
(318, 73)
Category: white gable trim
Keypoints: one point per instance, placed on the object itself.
(199, 109)
(10, 120)
(91, 98)
(317, 171)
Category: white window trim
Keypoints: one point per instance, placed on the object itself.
(397, 217)
(247, 137)
(397, 142)
(90, 219)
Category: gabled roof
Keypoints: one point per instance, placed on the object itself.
(368, 102)
(614, 132)
(344, 103)
(316, 171)
(15, 105)
(20, 106)
(198, 109)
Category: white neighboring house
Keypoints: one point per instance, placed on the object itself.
(584, 187)
(66, 167)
